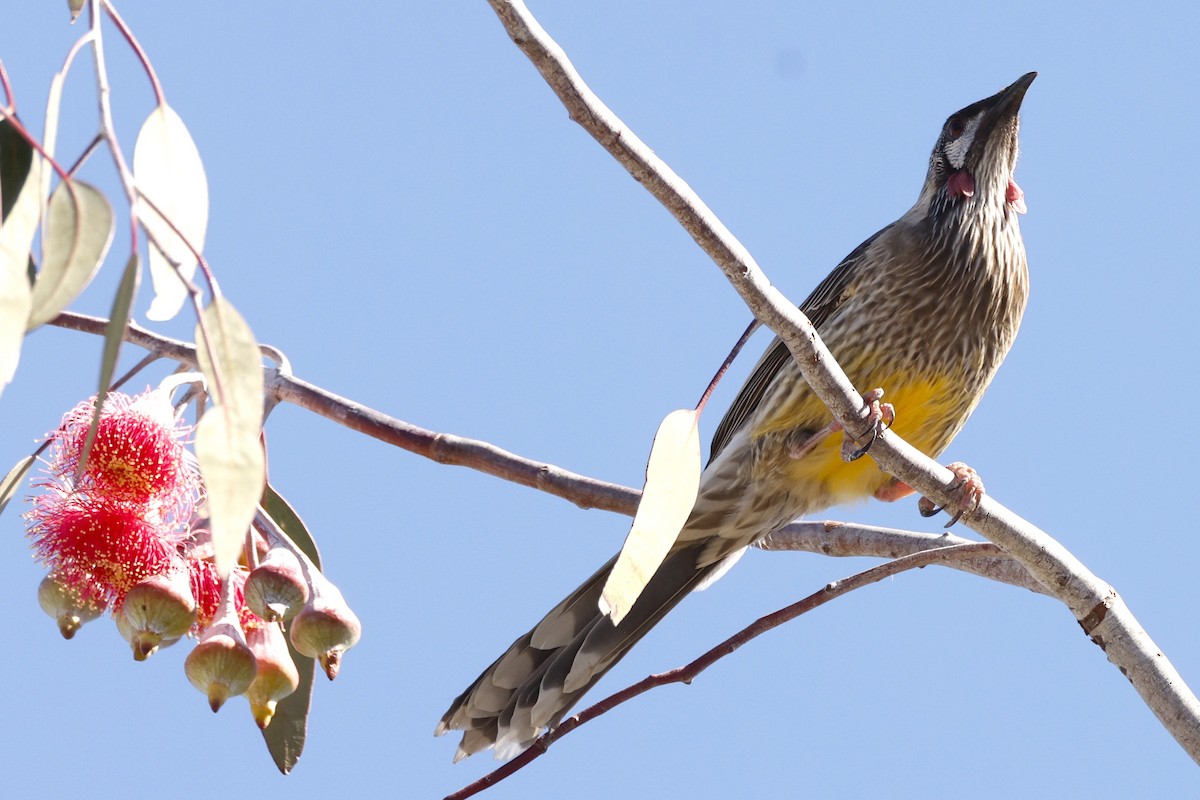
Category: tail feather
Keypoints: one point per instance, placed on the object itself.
(545, 672)
(573, 614)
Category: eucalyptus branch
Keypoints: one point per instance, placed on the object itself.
(143, 59)
(689, 672)
(849, 539)
(1096, 605)
(103, 94)
(132, 193)
(827, 538)
(10, 101)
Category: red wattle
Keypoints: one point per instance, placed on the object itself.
(961, 183)
(1015, 197)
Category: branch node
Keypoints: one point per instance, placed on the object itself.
(1090, 621)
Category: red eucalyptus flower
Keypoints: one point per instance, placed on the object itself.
(100, 548)
(138, 454)
(124, 516)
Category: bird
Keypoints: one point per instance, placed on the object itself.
(927, 309)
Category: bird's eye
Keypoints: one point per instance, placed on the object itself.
(955, 128)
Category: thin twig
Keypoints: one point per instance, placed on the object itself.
(689, 672)
(737, 348)
(10, 100)
(138, 51)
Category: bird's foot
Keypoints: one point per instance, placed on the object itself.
(968, 491)
(878, 416)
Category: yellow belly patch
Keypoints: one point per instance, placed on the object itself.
(928, 413)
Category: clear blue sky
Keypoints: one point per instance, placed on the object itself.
(401, 205)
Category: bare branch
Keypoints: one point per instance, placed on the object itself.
(845, 539)
(1096, 605)
(444, 448)
(829, 538)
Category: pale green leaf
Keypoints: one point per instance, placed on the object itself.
(75, 6)
(12, 481)
(16, 163)
(14, 310)
(50, 137)
(168, 171)
(228, 447)
(234, 469)
(20, 179)
(118, 321)
(229, 358)
(289, 727)
(114, 334)
(79, 229)
(289, 521)
(286, 734)
(672, 482)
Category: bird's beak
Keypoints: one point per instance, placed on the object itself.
(1005, 103)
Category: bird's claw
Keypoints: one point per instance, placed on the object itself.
(968, 491)
(879, 417)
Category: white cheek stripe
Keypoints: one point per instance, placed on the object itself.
(957, 150)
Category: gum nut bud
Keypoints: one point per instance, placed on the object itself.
(222, 665)
(159, 609)
(326, 628)
(143, 646)
(64, 605)
(276, 589)
(275, 677)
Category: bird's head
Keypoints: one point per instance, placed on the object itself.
(976, 153)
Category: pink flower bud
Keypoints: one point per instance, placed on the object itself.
(326, 628)
(142, 648)
(276, 589)
(276, 676)
(157, 610)
(65, 606)
(222, 665)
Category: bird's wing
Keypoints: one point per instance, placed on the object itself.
(819, 305)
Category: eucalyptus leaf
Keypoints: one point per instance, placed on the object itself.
(79, 229)
(114, 334)
(118, 319)
(289, 726)
(169, 173)
(16, 161)
(289, 521)
(11, 481)
(22, 208)
(50, 136)
(672, 483)
(232, 463)
(228, 446)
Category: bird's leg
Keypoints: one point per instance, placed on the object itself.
(893, 490)
(968, 492)
(879, 417)
(800, 447)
